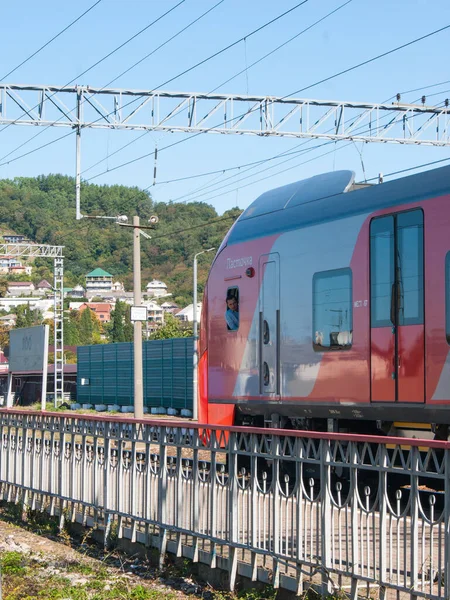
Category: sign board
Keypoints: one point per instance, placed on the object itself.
(138, 313)
(28, 349)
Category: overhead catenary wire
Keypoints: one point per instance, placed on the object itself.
(368, 61)
(186, 229)
(36, 52)
(281, 155)
(98, 62)
(231, 120)
(294, 154)
(235, 217)
(118, 76)
(230, 79)
(195, 66)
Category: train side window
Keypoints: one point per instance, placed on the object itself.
(332, 310)
(232, 309)
(447, 297)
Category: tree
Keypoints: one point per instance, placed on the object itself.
(128, 330)
(172, 328)
(3, 287)
(26, 317)
(71, 329)
(86, 327)
(116, 330)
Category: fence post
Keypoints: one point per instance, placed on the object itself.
(162, 492)
(232, 508)
(213, 495)
(382, 499)
(354, 519)
(106, 484)
(326, 521)
(414, 503)
(276, 522)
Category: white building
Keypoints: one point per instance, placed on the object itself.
(98, 281)
(77, 292)
(117, 286)
(8, 262)
(34, 303)
(187, 314)
(169, 306)
(155, 313)
(156, 289)
(20, 288)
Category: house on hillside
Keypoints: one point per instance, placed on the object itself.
(98, 281)
(155, 313)
(43, 287)
(102, 310)
(20, 270)
(156, 289)
(77, 292)
(187, 314)
(8, 320)
(117, 286)
(8, 262)
(169, 306)
(13, 238)
(20, 288)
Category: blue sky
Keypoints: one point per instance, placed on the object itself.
(357, 32)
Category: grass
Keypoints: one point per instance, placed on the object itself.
(25, 578)
(96, 575)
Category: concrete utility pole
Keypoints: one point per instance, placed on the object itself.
(138, 383)
(195, 328)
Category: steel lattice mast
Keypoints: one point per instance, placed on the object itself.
(28, 250)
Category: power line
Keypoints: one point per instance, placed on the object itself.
(283, 154)
(176, 76)
(228, 80)
(164, 43)
(116, 49)
(282, 45)
(284, 97)
(428, 164)
(118, 76)
(305, 151)
(370, 60)
(50, 41)
(179, 231)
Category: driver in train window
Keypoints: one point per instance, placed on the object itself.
(232, 312)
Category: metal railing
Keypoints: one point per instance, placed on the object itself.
(294, 509)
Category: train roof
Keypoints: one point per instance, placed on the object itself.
(330, 197)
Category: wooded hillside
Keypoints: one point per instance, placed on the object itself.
(43, 209)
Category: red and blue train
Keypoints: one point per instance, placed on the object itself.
(327, 308)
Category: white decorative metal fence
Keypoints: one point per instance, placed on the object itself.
(355, 513)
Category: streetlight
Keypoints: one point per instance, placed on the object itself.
(195, 328)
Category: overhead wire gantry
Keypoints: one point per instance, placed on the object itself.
(85, 107)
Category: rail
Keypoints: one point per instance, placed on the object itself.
(342, 512)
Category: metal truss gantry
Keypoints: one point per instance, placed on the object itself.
(155, 110)
(28, 250)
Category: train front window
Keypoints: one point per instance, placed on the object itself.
(332, 310)
(232, 309)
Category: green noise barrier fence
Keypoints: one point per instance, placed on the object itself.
(105, 373)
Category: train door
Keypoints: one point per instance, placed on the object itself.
(269, 324)
(397, 308)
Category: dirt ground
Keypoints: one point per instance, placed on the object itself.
(36, 566)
